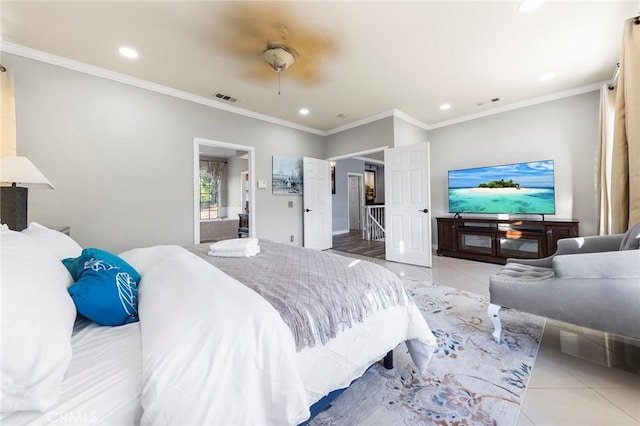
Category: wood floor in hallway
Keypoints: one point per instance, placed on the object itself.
(353, 243)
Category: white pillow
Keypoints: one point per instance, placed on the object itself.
(36, 324)
(61, 245)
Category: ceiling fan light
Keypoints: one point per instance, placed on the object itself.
(278, 58)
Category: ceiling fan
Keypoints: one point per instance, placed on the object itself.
(270, 39)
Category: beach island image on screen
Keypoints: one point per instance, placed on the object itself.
(522, 188)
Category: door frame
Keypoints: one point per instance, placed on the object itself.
(242, 194)
(356, 155)
(197, 142)
(361, 201)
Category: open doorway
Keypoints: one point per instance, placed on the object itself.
(223, 179)
(354, 198)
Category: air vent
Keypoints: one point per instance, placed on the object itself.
(225, 97)
(487, 101)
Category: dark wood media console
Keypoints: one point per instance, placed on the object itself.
(494, 240)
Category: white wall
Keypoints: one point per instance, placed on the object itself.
(405, 133)
(368, 136)
(564, 130)
(121, 157)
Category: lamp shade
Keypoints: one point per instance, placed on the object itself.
(22, 172)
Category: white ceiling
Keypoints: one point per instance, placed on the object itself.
(409, 56)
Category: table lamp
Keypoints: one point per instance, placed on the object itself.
(13, 201)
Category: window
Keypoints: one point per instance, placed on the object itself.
(210, 188)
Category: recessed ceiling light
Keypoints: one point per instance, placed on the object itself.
(529, 5)
(547, 76)
(304, 111)
(128, 52)
(445, 107)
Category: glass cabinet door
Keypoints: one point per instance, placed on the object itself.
(522, 247)
(476, 243)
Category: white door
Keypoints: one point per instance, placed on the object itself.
(407, 204)
(317, 204)
(355, 203)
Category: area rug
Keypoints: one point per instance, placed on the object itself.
(471, 380)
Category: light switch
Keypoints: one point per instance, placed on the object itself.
(262, 184)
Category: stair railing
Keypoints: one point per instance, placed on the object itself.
(374, 223)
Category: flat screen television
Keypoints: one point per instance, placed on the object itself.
(519, 188)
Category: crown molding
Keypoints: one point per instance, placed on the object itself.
(361, 122)
(27, 52)
(518, 105)
(409, 119)
(391, 113)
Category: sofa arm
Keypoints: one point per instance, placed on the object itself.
(593, 244)
(611, 264)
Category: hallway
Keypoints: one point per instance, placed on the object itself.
(352, 242)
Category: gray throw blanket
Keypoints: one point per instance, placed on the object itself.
(317, 294)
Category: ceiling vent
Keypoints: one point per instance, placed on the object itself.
(484, 102)
(225, 97)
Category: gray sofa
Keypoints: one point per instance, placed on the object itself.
(591, 282)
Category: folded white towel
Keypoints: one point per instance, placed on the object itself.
(250, 252)
(234, 244)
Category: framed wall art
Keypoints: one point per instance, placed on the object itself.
(286, 176)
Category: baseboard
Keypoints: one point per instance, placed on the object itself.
(344, 231)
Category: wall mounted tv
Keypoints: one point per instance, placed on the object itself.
(519, 188)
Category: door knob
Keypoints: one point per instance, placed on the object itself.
(307, 210)
(424, 210)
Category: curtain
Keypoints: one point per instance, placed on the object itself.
(607, 115)
(7, 116)
(625, 169)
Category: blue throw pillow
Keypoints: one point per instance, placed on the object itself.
(106, 287)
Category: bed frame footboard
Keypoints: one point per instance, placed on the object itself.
(388, 360)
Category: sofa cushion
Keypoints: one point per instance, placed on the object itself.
(517, 272)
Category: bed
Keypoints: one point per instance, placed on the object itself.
(207, 349)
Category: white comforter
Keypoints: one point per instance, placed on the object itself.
(213, 351)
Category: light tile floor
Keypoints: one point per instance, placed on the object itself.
(563, 389)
